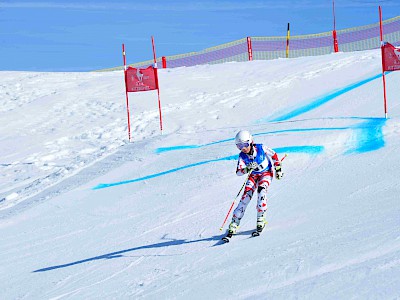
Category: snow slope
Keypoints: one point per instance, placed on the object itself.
(84, 214)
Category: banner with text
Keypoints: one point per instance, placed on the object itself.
(139, 80)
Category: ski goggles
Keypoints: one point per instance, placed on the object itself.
(242, 145)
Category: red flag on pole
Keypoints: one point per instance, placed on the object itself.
(139, 80)
(390, 57)
(383, 67)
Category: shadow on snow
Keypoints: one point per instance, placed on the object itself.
(118, 254)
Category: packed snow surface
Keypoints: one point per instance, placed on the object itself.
(86, 214)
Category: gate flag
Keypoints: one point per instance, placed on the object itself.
(390, 57)
(139, 80)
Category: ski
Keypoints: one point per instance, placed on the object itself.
(258, 231)
(227, 238)
(254, 233)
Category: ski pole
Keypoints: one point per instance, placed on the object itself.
(227, 215)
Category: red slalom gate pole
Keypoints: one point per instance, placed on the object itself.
(126, 92)
(383, 68)
(158, 87)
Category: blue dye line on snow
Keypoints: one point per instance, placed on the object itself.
(106, 185)
(175, 148)
(296, 112)
(322, 100)
(302, 130)
(369, 136)
(312, 150)
(293, 149)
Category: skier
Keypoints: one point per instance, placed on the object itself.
(257, 159)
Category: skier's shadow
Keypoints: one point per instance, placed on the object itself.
(247, 232)
(117, 254)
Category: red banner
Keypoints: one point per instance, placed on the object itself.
(390, 57)
(139, 80)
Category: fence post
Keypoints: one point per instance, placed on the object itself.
(249, 48)
(287, 40)
(335, 42)
(164, 62)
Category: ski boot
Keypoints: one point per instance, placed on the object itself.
(261, 222)
(233, 227)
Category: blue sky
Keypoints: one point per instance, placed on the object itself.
(87, 35)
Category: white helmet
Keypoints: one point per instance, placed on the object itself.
(243, 137)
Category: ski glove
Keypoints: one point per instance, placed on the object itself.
(278, 172)
(251, 166)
